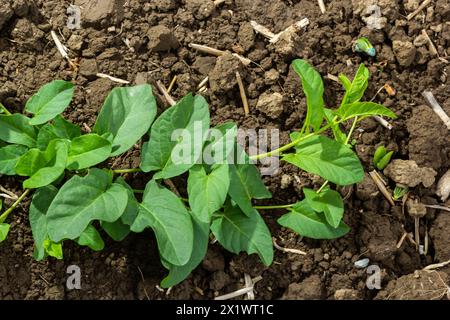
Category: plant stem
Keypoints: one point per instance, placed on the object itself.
(322, 186)
(284, 206)
(138, 191)
(291, 144)
(4, 109)
(5, 214)
(351, 130)
(120, 171)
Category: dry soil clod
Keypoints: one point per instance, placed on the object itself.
(407, 172)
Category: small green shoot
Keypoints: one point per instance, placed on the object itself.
(363, 45)
(382, 157)
(399, 192)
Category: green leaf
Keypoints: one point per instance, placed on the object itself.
(43, 167)
(120, 228)
(207, 192)
(220, 143)
(308, 223)
(246, 184)
(9, 156)
(40, 203)
(51, 100)
(4, 230)
(329, 159)
(128, 114)
(384, 161)
(238, 232)
(60, 128)
(16, 129)
(177, 138)
(337, 132)
(358, 86)
(346, 83)
(329, 202)
(313, 87)
(53, 249)
(379, 153)
(365, 109)
(87, 151)
(164, 212)
(82, 200)
(178, 273)
(91, 238)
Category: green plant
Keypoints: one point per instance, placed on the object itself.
(399, 192)
(381, 157)
(75, 195)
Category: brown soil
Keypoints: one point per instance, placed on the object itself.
(158, 34)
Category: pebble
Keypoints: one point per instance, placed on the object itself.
(363, 263)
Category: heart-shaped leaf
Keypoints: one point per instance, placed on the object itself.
(9, 156)
(16, 129)
(128, 114)
(51, 100)
(82, 200)
(87, 151)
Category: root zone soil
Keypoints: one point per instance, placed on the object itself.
(119, 38)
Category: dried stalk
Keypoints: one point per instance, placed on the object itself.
(381, 187)
(322, 6)
(431, 100)
(114, 79)
(436, 265)
(431, 46)
(166, 94)
(239, 292)
(242, 93)
(218, 53)
(287, 250)
(420, 8)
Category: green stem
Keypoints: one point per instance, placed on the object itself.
(351, 130)
(284, 206)
(322, 186)
(5, 214)
(120, 171)
(138, 191)
(291, 144)
(6, 111)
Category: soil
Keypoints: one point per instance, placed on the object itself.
(145, 41)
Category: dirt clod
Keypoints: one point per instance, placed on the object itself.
(407, 172)
(404, 51)
(271, 104)
(308, 289)
(223, 77)
(160, 38)
(93, 12)
(421, 285)
(440, 234)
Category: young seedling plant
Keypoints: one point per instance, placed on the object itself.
(74, 195)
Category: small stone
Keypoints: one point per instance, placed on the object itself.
(407, 172)
(271, 76)
(88, 68)
(443, 186)
(411, 5)
(363, 263)
(75, 42)
(271, 104)
(404, 51)
(161, 38)
(286, 181)
(420, 40)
